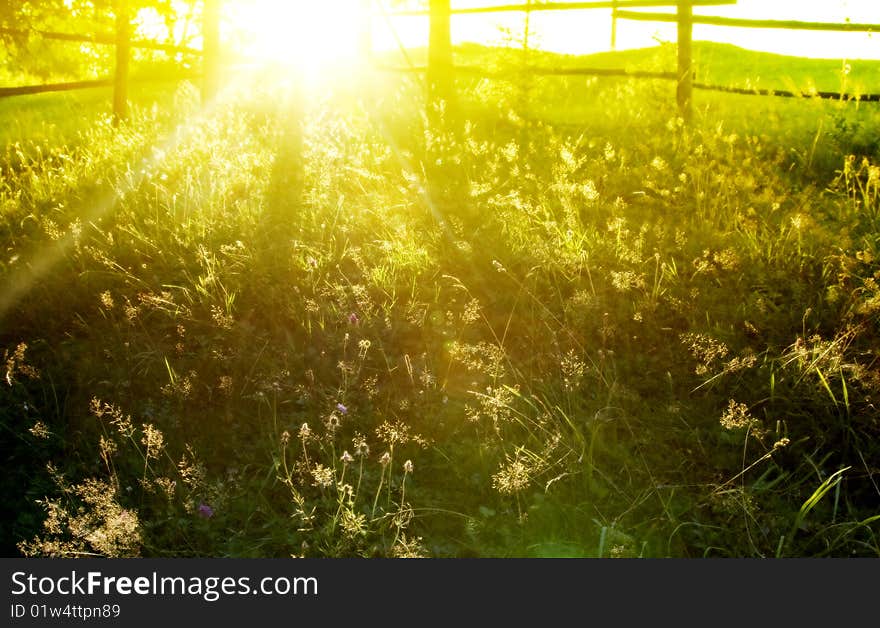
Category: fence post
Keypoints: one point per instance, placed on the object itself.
(210, 50)
(685, 88)
(440, 81)
(614, 25)
(123, 54)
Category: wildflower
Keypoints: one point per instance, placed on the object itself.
(471, 312)
(609, 152)
(40, 430)
(706, 350)
(353, 318)
(512, 477)
(385, 459)
(737, 416)
(346, 457)
(205, 511)
(108, 448)
(393, 433)
(353, 525)
(589, 191)
(285, 438)
(304, 431)
(343, 409)
(153, 440)
(409, 548)
(626, 280)
(332, 422)
(408, 466)
(361, 448)
(107, 300)
(323, 476)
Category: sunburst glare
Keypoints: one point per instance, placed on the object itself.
(315, 39)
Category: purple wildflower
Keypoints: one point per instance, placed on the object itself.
(343, 409)
(353, 318)
(205, 511)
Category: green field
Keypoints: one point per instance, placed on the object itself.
(550, 320)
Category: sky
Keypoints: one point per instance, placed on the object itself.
(583, 32)
(316, 34)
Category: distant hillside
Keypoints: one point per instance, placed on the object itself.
(719, 64)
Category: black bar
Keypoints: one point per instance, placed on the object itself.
(355, 592)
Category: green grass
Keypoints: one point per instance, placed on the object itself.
(730, 66)
(554, 322)
(720, 64)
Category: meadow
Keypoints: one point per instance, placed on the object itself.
(549, 319)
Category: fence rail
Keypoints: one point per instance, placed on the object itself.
(24, 90)
(536, 71)
(69, 86)
(736, 22)
(558, 6)
(101, 39)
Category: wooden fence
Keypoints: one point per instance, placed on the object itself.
(122, 40)
(440, 67)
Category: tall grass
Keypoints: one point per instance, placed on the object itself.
(290, 327)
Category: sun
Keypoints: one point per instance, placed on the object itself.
(315, 37)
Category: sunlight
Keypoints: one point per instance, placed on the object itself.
(315, 38)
